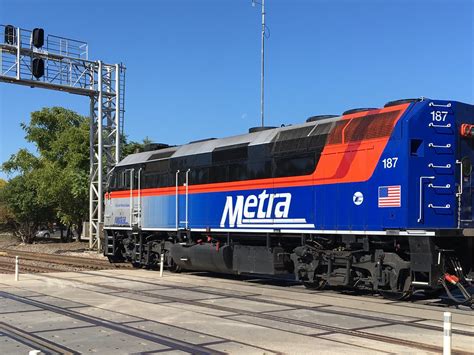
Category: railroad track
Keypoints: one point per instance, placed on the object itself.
(327, 329)
(8, 267)
(54, 259)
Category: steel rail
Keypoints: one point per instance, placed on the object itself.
(327, 328)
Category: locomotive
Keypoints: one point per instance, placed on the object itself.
(376, 198)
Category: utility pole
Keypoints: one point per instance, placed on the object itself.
(262, 75)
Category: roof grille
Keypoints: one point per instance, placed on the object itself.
(371, 126)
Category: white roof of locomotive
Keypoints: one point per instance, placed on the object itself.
(208, 146)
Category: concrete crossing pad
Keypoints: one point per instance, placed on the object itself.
(135, 311)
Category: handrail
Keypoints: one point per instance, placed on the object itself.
(447, 166)
(420, 215)
(459, 193)
(132, 171)
(139, 217)
(439, 105)
(177, 200)
(186, 222)
(460, 178)
(439, 207)
(447, 186)
(432, 145)
(431, 124)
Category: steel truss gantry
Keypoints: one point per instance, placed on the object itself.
(67, 68)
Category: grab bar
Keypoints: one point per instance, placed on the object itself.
(431, 145)
(461, 175)
(447, 186)
(187, 197)
(420, 215)
(177, 200)
(439, 125)
(447, 166)
(441, 105)
(439, 207)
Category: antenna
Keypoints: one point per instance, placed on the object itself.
(262, 75)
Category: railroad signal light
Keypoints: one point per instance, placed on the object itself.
(10, 34)
(38, 37)
(38, 68)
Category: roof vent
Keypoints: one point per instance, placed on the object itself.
(202, 140)
(154, 146)
(260, 129)
(355, 110)
(401, 102)
(319, 117)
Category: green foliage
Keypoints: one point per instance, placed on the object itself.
(52, 186)
(134, 147)
(27, 208)
(6, 216)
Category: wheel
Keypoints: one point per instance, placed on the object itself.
(318, 284)
(402, 290)
(173, 267)
(115, 259)
(396, 295)
(46, 235)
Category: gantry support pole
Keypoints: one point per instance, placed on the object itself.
(101, 82)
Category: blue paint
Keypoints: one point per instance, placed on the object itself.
(421, 149)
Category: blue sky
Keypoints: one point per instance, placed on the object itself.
(193, 67)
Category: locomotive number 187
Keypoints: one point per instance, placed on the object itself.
(439, 116)
(390, 163)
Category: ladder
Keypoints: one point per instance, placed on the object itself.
(110, 245)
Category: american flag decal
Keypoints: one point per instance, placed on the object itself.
(390, 196)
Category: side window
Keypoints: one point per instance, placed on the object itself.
(199, 176)
(238, 171)
(294, 166)
(218, 173)
(126, 179)
(259, 170)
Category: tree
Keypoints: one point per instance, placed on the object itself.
(27, 208)
(6, 216)
(53, 185)
(55, 181)
(134, 147)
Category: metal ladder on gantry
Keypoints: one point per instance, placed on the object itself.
(57, 63)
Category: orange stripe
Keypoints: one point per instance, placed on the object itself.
(339, 163)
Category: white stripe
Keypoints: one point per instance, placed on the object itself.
(159, 229)
(324, 231)
(310, 231)
(118, 228)
(276, 220)
(289, 225)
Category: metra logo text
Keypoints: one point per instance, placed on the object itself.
(260, 211)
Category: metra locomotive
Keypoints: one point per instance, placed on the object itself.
(375, 198)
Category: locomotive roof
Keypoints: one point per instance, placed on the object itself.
(208, 146)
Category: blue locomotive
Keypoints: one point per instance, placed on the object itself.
(374, 198)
